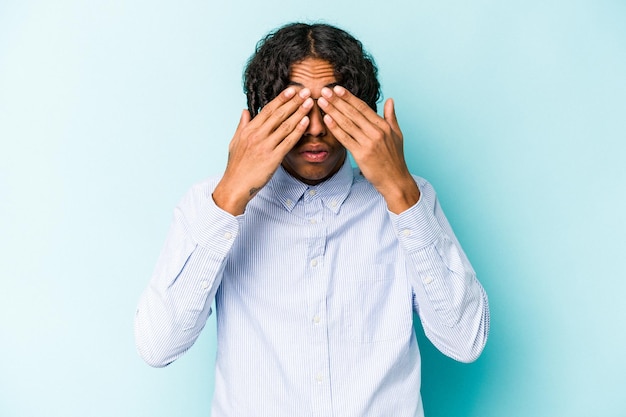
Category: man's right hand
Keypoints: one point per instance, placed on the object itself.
(259, 146)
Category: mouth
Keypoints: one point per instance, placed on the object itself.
(314, 154)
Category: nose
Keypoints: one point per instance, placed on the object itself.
(316, 127)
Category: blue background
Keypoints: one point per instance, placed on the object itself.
(110, 110)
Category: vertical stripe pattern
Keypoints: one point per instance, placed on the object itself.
(315, 289)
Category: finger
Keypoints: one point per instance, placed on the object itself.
(289, 141)
(351, 105)
(263, 125)
(282, 98)
(389, 111)
(352, 115)
(287, 127)
(283, 106)
(354, 124)
(340, 134)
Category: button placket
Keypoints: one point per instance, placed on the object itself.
(317, 290)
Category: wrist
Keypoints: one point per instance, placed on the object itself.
(401, 195)
(231, 199)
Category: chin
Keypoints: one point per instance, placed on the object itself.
(312, 178)
(313, 174)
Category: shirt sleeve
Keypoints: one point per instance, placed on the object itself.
(450, 302)
(174, 308)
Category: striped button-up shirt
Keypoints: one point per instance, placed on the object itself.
(314, 289)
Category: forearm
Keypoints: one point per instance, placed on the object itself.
(451, 303)
(169, 318)
(174, 308)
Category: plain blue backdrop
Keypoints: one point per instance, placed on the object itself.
(110, 110)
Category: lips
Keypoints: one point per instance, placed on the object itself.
(314, 153)
(314, 156)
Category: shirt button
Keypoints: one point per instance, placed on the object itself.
(204, 285)
(312, 192)
(314, 263)
(288, 202)
(333, 204)
(427, 279)
(319, 378)
(317, 319)
(406, 232)
(228, 236)
(312, 221)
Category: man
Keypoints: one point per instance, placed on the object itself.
(315, 267)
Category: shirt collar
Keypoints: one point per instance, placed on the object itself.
(333, 192)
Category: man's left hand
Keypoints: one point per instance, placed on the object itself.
(375, 142)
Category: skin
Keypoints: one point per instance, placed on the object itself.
(318, 155)
(307, 129)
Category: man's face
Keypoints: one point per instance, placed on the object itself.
(318, 155)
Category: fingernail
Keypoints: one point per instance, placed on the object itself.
(308, 103)
(305, 92)
(326, 92)
(339, 90)
(322, 102)
(290, 92)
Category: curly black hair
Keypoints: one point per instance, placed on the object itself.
(268, 70)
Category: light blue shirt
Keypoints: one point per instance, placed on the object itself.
(315, 289)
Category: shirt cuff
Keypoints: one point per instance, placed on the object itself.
(215, 229)
(417, 226)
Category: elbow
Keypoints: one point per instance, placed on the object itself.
(469, 340)
(479, 333)
(150, 346)
(154, 360)
(464, 347)
(476, 341)
(473, 352)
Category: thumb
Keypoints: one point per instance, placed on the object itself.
(389, 113)
(244, 119)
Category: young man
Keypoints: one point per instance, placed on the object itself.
(315, 267)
